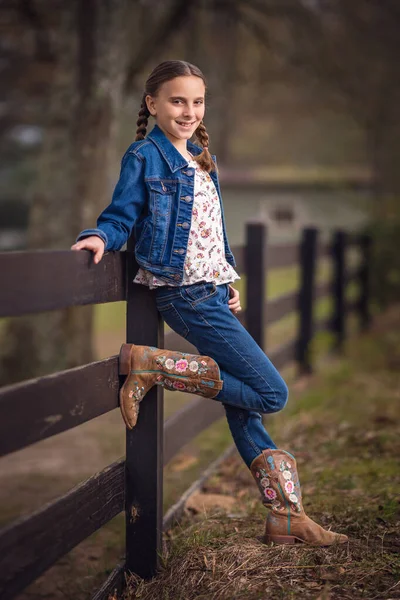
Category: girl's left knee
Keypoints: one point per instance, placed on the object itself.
(281, 396)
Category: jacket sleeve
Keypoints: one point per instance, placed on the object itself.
(116, 222)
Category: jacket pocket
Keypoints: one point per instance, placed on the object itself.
(161, 199)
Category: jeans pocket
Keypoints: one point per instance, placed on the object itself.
(165, 295)
(200, 292)
(172, 318)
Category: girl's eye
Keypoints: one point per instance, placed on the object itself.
(177, 101)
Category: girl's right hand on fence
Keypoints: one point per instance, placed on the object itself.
(93, 243)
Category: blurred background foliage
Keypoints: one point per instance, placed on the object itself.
(298, 90)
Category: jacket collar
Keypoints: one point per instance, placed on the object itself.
(172, 156)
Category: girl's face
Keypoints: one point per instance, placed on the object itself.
(178, 107)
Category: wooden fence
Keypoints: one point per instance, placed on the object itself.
(33, 410)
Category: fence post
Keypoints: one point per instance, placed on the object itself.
(256, 276)
(339, 288)
(364, 279)
(307, 257)
(144, 443)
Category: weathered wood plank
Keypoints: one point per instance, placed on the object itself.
(282, 355)
(238, 253)
(338, 288)
(34, 543)
(242, 317)
(324, 324)
(308, 264)
(188, 422)
(174, 341)
(112, 586)
(279, 307)
(324, 249)
(323, 289)
(354, 239)
(144, 443)
(352, 274)
(282, 255)
(49, 280)
(353, 305)
(256, 257)
(39, 408)
(365, 282)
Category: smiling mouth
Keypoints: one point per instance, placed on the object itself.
(186, 124)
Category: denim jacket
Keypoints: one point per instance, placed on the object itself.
(154, 195)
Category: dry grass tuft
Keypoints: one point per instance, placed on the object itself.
(222, 558)
(345, 432)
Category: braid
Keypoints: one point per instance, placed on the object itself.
(142, 121)
(204, 159)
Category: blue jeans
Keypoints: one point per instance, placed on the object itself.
(251, 385)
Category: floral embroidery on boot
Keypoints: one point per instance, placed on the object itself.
(146, 366)
(181, 364)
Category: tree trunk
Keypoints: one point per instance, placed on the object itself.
(73, 184)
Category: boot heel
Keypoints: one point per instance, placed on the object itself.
(279, 539)
(124, 359)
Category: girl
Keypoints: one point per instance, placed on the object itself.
(169, 191)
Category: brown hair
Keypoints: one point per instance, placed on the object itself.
(166, 71)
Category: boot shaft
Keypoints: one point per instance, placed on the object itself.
(146, 366)
(275, 472)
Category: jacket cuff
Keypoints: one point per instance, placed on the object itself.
(88, 232)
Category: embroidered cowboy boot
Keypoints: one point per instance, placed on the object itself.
(276, 475)
(146, 366)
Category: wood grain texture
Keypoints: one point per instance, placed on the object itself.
(48, 280)
(31, 545)
(37, 409)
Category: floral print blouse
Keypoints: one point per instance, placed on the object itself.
(205, 256)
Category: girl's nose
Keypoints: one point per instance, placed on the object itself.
(188, 111)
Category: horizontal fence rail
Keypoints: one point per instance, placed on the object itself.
(279, 256)
(113, 586)
(33, 544)
(49, 280)
(191, 420)
(280, 307)
(34, 410)
(90, 505)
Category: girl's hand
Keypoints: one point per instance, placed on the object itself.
(234, 302)
(93, 243)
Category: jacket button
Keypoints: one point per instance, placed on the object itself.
(189, 172)
(185, 225)
(186, 198)
(180, 251)
(177, 277)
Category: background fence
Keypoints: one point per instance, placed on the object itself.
(33, 410)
